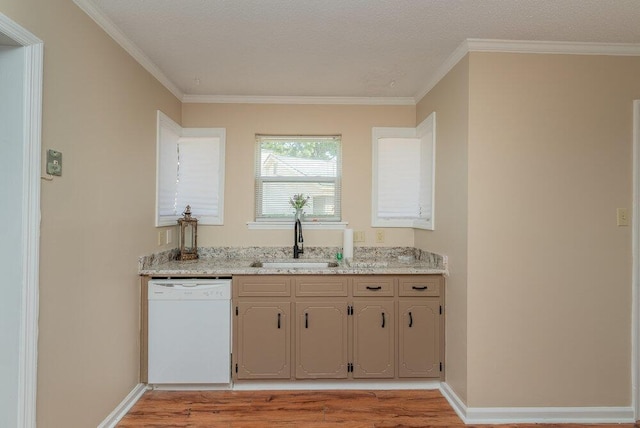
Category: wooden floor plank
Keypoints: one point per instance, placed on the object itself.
(309, 409)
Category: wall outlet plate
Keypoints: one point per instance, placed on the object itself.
(54, 162)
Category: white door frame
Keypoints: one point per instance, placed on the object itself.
(32, 114)
(635, 275)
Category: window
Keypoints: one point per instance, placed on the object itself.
(190, 171)
(288, 165)
(403, 176)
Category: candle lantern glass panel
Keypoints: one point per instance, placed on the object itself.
(188, 236)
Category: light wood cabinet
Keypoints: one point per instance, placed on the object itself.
(263, 338)
(419, 338)
(373, 338)
(321, 340)
(338, 327)
(261, 327)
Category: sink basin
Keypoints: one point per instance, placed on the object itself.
(294, 265)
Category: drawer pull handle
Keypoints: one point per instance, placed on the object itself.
(306, 320)
(383, 320)
(415, 287)
(410, 320)
(278, 319)
(374, 288)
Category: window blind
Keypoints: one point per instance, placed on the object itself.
(197, 178)
(398, 178)
(289, 165)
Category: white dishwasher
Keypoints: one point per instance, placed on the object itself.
(189, 331)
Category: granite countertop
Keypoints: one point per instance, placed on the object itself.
(227, 261)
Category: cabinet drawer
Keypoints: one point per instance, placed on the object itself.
(427, 285)
(372, 286)
(262, 286)
(323, 286)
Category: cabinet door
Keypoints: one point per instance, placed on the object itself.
(419, 338)
(263, 340)
(321, 340)
(373, 339)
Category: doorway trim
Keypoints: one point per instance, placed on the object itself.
(635, 274)
(31, 153)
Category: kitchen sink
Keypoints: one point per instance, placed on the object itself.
(294, 265)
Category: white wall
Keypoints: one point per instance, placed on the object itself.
(11, 147)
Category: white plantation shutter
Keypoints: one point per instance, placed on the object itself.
(190, 172)
(198, 176)
(398, 178)
(403, 176)
(168, 170)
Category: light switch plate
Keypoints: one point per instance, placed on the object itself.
(54, 162)
(622, 217)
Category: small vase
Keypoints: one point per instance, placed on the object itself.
(299, 214)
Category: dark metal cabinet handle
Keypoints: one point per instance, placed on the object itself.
(383, 320)
(278, 319)
(410, 320)
(306, 320)
(374, 288)
(415, 287)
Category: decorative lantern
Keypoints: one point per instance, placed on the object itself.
(188, 236)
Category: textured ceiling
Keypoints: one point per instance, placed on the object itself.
(344, 48)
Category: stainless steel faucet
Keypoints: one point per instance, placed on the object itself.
(297, 238)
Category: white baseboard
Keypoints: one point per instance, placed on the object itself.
(189, 387)
(578, 415)
(512, 415)
(328, 385)
(456, 403)
(125, 405)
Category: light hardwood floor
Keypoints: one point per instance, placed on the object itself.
(299, 409)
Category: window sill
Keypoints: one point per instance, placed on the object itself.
(307, 225)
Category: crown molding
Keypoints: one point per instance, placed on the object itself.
(468, 45)
(526, 46)
(461, 51)
(242, 99)
(548, 47)
(110, 28)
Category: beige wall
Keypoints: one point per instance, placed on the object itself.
(243, 121)
(97, 219)
(549, 273)
(450, 100)
(534, 156)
